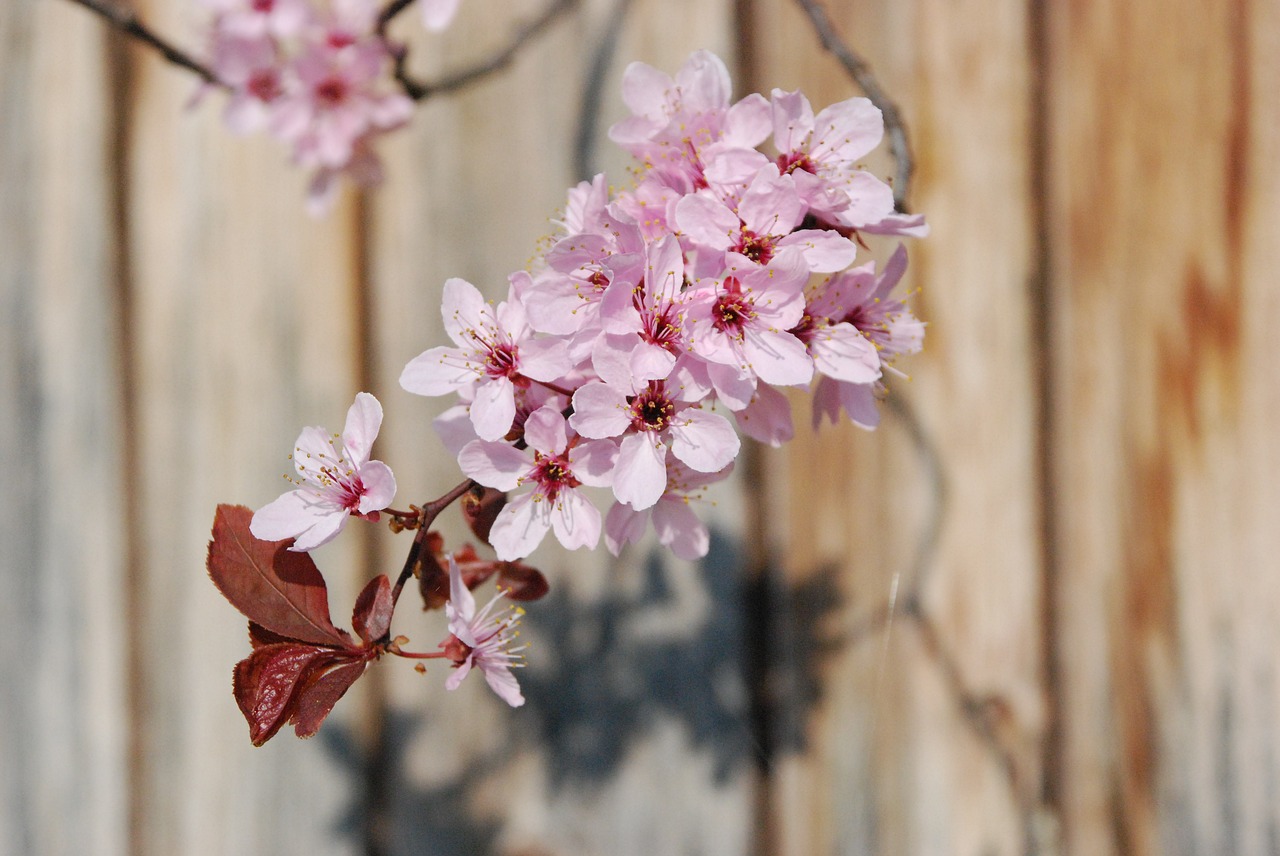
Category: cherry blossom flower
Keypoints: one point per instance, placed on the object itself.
(556, 467)
(651, 420)
(763, 224)
(863, 300)
(336, 479)
(483, 640)
(495, 352)
(822, 153)
(674, 520)
(678, 123)
(743, 321)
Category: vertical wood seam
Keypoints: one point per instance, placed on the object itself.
(1044, 390)
(122, 94)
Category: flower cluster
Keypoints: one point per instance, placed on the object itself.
(662, 320)
(313, 74)
(667, 312)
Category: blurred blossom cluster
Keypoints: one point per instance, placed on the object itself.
(316, 75)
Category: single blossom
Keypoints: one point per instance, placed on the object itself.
(651, 419)
(483, 640)
(556, 466)
(674, 520)
(495, 352)
(336, 479)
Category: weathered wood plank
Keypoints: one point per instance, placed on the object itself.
(244, 329)
(1166, 196)
(634, 738)
(921, 736)
(63, 746)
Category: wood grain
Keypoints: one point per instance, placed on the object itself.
(922, 736)
(63, 772)
(244, 330)
(1165, 209)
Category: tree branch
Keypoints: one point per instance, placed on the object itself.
(418, 91)
(861, 73)
(128, 23)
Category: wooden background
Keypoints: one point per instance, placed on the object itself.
(1033, 614)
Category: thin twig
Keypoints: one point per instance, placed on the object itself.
(861, 73)
(128, 23)
(430, 512)
(418, 91)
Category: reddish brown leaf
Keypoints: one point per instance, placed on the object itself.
(278, 589)
(521, 582)
(480, 512)
(260, 636)
(265, 684)
(433, 582)
(317, 699)
(372, 615)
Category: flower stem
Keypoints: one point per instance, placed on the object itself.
(430, 512)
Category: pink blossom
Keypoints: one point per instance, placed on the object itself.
(255, 72)
(863, 300)
(483, 640)
(495, 351)
(678, 122)
(253, 19)
(674, 520)
(822, 154)
(556, 466)
(742, 322)
(763, 224)
(337, 102)
(649, 421)
(336, 480)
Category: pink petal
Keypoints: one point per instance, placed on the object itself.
(599, 411)
(767, 419)
(324, 529)
(439, 371)
(778, 358)
(502, 682)
(496, 465)
(544, 359)
(379, 486)
(748, 122)
(847, 131)
(494, 408)
(461, 607)
(455, 678)
(575, 520)
(594, 462)
(824, 251)
(519, 529)
(705, 441)
(462, 307)
(364, 418)
(842, 352)
(545, 430)
(680, 530)
(792, 120)
(285, 517)
(641, 474)
(644, 90)
(624, 525)
(707, 222)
